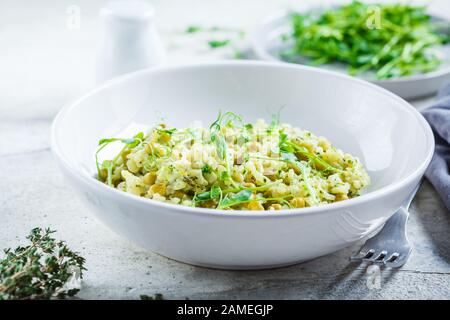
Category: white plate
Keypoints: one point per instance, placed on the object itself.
(267, 45)
(391, 138)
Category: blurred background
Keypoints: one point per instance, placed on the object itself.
(48, 47)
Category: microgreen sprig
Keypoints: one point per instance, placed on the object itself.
(288, 146)
(216, 136)
(109, 164)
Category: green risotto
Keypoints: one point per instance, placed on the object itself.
(233, 165)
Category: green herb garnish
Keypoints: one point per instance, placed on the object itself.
(214, 194)
(39, 270)
(193, 29)
(109, 165)
(218, 43)
(238, 198)
(289, 147)
(393, 40)
(216, 137)
(274, 122)
(168, 131)
(206, 169)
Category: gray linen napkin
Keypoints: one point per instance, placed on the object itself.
(438, 116)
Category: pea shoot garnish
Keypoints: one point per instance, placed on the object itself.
(392, 40)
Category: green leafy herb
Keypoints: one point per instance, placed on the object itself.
(168, 131)
(275, 121)
(131, 142)
(216, 137)
(228, 118)
(289, 147)
(39, 270)
(214, 194)
(109, 165)
(218, 43)
(220, 143)
(193, 29)
(206, 169)
(305, 170)
(391, 39)
(245, 196)
(240, 197)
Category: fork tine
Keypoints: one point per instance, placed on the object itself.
(380, 256)
(372, 256)
(390, 246)
(399, 261)
(394, 256)
(362, 254)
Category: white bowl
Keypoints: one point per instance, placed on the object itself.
(267, 45)
(392, 139)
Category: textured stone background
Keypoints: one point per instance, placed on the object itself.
(44, 65)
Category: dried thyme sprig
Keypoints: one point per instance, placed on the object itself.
(40, 270)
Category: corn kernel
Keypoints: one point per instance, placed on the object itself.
(158, 188)
(150, 178)
(298, 202)
(341, 196)
(255, 205)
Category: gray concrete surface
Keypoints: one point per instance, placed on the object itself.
(44, 64)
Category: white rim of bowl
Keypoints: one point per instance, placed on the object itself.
(92, 182)
(260, 50)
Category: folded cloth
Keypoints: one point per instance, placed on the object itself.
(438, 116)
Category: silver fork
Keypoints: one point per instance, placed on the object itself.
(390, 246)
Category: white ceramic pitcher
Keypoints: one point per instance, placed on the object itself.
(129, 41)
